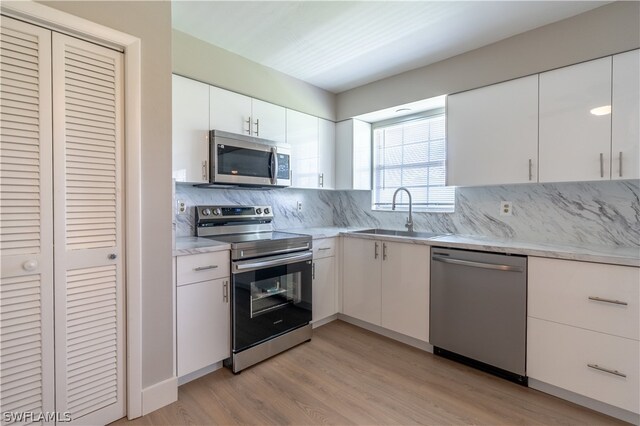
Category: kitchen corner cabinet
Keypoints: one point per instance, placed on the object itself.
(387, 284)
(625, 121)
(203, 329)
(190, 130)
(575, 143)
(583, 329)
(353, 155)
(325, 283)
(492, 134)
(327, 153)
(240, 114)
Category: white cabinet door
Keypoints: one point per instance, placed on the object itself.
(327, 153)
(492, 134)
(353, 155)
(324, 288)
(269, 121)
(625, 140)
(203, 325)
(229, 111)
(26, 221)
(405, 289)
(302, 135)
(361, 294)
(190, 130)
(575, 142)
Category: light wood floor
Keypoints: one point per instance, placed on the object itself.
(347, 375)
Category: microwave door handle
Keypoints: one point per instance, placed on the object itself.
(274, 166)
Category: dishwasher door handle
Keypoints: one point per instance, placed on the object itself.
(483, 265)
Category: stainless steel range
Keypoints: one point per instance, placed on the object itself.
(271, 281)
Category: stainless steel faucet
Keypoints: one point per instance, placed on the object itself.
(409, 223)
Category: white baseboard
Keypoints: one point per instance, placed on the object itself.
(159, 395)
(324, 321)
(593, 404)
(387, 333)
(199, 373)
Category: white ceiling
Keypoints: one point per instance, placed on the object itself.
(338, 45)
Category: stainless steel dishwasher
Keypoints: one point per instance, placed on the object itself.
(478, 310)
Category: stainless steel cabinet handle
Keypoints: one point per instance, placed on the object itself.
(225, 291)
(375, 253)
(313, 271)
(257, 126)
(620, 165)
(248, 130)
(606, 370)
(615, 302)
(321, 180)
(483, 265)
(204, 268)
(530, 169)
(601, 165)
(204, 170)
(384, 251)
(324, 248)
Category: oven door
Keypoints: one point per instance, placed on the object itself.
(271, 295)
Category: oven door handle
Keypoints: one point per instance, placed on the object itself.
(276, 261)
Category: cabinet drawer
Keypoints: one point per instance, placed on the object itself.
(594, 296)
(202, 267)
(325, 247)
(560, 355)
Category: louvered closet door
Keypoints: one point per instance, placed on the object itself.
(89, 305)
(26, 221)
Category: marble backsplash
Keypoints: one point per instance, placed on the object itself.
(593, 213)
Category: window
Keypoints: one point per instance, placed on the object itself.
(411, 153)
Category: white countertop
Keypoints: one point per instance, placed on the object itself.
(626, 256)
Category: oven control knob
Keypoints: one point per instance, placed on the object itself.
(258, 210)
(217, 212)
(206, 212)
(266, 210)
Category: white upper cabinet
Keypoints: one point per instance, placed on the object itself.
(493, 134)
(353, 155)
(625, 140)
(302, 135)
(269, 121)
(575, 141)
(327, 153)
(190, 130)
(230, 111)
(240, 114)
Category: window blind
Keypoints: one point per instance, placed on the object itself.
(412, 154)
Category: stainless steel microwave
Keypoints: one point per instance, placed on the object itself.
(245, 160)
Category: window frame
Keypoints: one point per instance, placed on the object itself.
(400, 120)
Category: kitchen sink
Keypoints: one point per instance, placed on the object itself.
(391, 232)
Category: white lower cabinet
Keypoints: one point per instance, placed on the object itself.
(203, 315)
(582, 329)
(324, 288)
(387, 284)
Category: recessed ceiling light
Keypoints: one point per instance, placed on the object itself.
(603, 110)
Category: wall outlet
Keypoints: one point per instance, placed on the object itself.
(182, 207)
(506, 208)
(299, 206)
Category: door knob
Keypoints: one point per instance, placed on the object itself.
(112, 256)
(30, 265)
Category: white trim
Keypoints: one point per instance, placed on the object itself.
(159, 395)
(199, 373)
(64, 22)
(609, 410)
(419, 344)
(323, 321)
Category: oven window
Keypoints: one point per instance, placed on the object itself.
(274, 293)
(236, 161)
